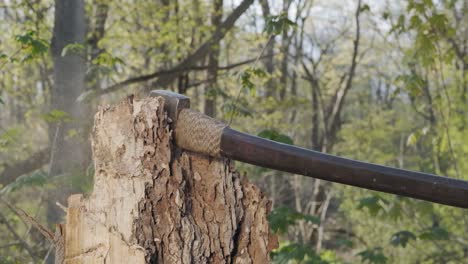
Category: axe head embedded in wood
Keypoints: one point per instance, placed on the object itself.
(174, 102)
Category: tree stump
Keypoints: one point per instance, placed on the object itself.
(154, 203)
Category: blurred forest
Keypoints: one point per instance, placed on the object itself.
(379, 81)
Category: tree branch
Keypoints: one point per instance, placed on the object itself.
(227, 67)
(201, 52)
(341, 93)
(27, 219)
(34, 162)
(23, 243)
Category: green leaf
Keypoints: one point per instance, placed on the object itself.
(364, 7)
(412, 83)
(428, 3)
(274, 135)
(246, 79)
(328, 256)
(31, 45)
(106, 59)
(275, 25)
(10, 137)
(402, 238)
(74, 48)
(25, 39)
(105, 63)
(37, 178)
(296, 252)
(246, 82)
(425, 48)
(439, 22)
(435, 233)
(373, 203)
(257, 72)
(413, 139)
(415, 22)
(385, 15)
(56, 115)
(394, 211)
(311, 219)
(399, 27)
(373, 255)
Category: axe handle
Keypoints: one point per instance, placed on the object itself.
(199, 133)
(273, 155)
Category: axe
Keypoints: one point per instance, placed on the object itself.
(199, 133)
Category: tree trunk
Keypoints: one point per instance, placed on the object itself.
(213, 60)
(69, 83)
(154, 203)
(269, 50)
(69, 154)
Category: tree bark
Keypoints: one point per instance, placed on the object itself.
(154, 203)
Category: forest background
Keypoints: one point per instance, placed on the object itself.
(378, 81)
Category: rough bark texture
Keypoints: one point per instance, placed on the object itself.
(153, 203)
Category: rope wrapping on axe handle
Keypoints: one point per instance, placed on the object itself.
(199, 133)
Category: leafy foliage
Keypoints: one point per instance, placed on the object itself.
(31, 45)
(106, 59)
(364, 8)
(74, 48)
(407, 107)
(435, 233)
(37, 179)
(233, 108)
(296, 252)
(282, 218)
(401, 238)
(3, 56)
(9, 137)
(105, 63)
(373, 256)
(374, 204)
(246, 78)
(55, 116)
(275, 25)
(413, 84)
(274, 135)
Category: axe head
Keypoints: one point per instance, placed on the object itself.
(174, 102)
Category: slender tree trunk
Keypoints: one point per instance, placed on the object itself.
(68, 154)
(334, 120)
(315, 115)
(153, 203)
(285, 43)
(213, 60)
(69, 77)
(269, 50)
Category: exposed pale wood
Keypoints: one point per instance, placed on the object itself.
(152, 202)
